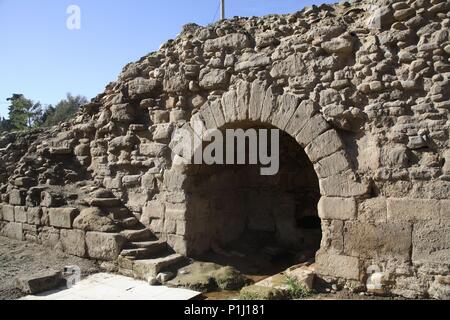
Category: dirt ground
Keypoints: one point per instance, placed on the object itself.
(22, 258)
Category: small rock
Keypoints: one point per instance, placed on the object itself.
(255, 292)
(153, 281)
(163, 277)
(340, 46)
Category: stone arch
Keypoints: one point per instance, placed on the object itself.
(300, 119)
(256, 103)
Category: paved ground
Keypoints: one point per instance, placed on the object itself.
(22, 258)
(104, 286)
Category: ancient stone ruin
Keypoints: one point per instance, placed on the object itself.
(361, 93)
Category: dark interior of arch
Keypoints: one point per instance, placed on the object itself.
(236, 215)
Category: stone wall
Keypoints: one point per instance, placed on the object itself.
(363, 88)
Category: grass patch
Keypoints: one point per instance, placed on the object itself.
(295, 290)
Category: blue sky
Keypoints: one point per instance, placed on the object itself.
(44, 60)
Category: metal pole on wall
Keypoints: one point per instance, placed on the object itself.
(222, 9)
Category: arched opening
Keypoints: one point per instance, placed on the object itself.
(258, 224)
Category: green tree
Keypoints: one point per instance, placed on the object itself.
(63, 111)
(23, 112)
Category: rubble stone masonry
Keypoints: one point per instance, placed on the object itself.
(363, 89)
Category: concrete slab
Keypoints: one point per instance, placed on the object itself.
(104, 286)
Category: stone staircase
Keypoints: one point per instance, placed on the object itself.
(144, 256)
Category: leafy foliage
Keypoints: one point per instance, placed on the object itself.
(23, 113)
(63, 111)
(26, 114)
(296, 290)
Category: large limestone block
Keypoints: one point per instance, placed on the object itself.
(17, 197)
(252, 60)
(343, 185)
(302, 114)
(62, 217)
(8, 213)
(337, 208)
(332, 236)
(13, 230)
(269, 104)
(20, 214)
(412, 210)
(258, 92)
(49, 237)
(340, 46)
(145, 269)
(175, 82)
(152, 210)
(324, 145)
(162, 133)
(207, 116)
(104, 246)
(233, 41)
(73, 242)
(287, 105)
(174, 180)
(339, 266)
(332, 165)
(216, 110)
(176, 211)
(122, 113)
(178, 244)
(140, 87)
(243, 100)
(229, 104)
(312, 129)
(386, 240)
(214, 79)
(373, 210)
(153, 149)
(431, 242)
(292, 66)
(34, 215)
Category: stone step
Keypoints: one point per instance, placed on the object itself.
(135, 254)
(145, 244)
(130, 223)
(145, 269)
(152, 248)
(138, 235)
